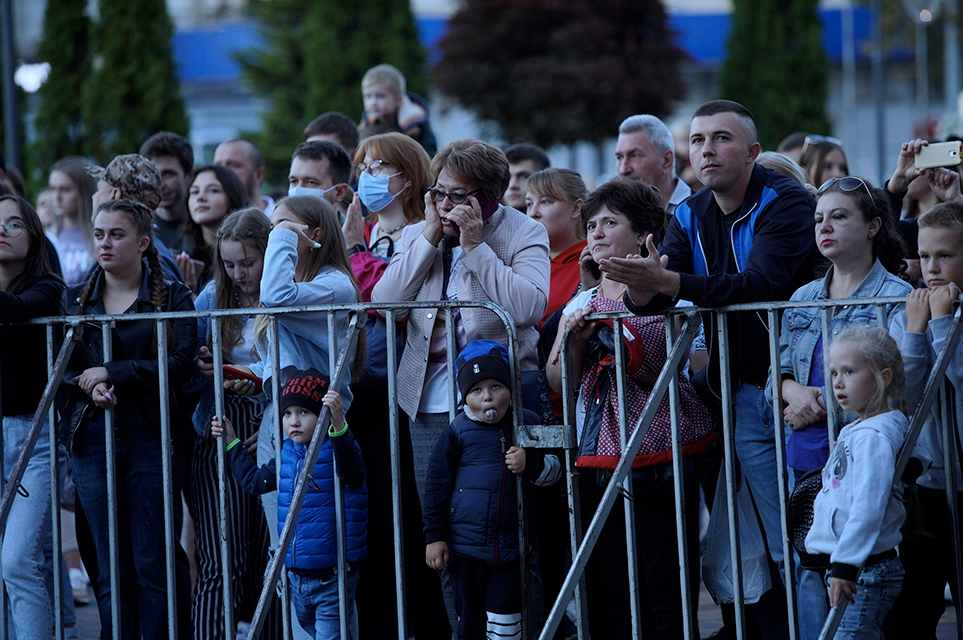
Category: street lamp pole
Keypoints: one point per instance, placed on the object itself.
(11, 111)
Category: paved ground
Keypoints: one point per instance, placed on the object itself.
(709, 620)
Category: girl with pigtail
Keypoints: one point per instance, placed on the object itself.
(128, 279)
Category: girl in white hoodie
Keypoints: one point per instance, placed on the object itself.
(858, 513)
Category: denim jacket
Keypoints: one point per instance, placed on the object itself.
(801, 328)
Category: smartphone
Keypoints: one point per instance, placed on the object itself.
(208, 358)
(233, 373)
(594, 269)
(940, 154)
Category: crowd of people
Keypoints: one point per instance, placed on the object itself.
(375, 213)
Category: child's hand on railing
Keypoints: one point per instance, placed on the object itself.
(515, 460)
(223, 427)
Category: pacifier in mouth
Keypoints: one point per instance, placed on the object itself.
(490, 414)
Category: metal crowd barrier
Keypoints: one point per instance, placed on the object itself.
(544, 436)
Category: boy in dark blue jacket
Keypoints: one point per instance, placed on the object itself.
(470, 511)
(312, 559)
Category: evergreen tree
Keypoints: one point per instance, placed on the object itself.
(65, 45)
(777, 68)
(560, 71)
(132, 92)
(315, 55)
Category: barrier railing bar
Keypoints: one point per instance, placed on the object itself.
(689, 618)
(451, 352)
(39, 420)
(933, 384)
(395, 444)
(54, 452)
(166, 451)
(223, 522)
(679, 351)
(782, 471)
(112, 532)
(952, 504)
(830, 401)
(300, 488)
(338, 497)
(628, 495)
(729, 460)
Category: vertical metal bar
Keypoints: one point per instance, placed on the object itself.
(55, 524)
(395, 444)
(782, 470)
(571, 486)
(452, 353)
(278, 427)
(881, 317)
(112, 533)
(338, 495)
(950, 465)
(628, 496)
(728, 440)
(678, 483)
(166, 451)
(829, 399)
(223, 520)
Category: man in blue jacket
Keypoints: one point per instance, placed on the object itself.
(746, 237)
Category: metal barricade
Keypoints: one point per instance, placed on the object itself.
(539, 436)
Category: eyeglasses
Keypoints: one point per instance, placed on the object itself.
(374, 168)
(456, 197)
(814, 139)
(847, 184)
(12, 229)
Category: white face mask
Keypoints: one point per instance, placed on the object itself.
(308, 191)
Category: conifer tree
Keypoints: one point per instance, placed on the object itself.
(132, 92)
(560, 71)
(315, 55)
(65, 45)
(777, 68)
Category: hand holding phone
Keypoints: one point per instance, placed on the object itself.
(940, 154)
(236, 373)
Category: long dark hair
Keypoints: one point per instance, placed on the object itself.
(250, 227)
(35, 263)
(236, 199)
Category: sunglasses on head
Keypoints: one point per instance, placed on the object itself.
(847, 184)
(815, 140)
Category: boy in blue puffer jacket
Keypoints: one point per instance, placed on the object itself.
(312, 559)
(470, 510)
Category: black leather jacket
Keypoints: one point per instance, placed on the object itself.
(133, 370)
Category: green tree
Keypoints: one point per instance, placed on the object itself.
(560, 71)
(133, 92)
(777, 68)
(58, 123)
(314, 56)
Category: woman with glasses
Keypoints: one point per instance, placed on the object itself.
(823, 158)
(469, 248)
(855, 230)
(28, 290)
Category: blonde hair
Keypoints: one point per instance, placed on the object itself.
(946, 215)
(403, 153)
(783, 165)
(387, 75)
(319, 214)
(880, 351)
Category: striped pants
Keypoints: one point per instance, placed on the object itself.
(247, 533)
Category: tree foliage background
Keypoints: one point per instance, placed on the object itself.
(315, 54)
(132, 92)
(777, 68)
(560, 71)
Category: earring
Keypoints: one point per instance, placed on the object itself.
(869, 236)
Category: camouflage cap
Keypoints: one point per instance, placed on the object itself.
(137, 178)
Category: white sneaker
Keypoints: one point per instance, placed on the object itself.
(80, 586)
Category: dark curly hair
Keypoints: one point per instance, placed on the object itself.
(639, 202)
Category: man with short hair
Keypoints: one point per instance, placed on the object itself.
(334, 127)
(133, 177)
(523, 160)
(645, 151)
(246, 160)
(174, 158)
(746, 237)
(322, 169)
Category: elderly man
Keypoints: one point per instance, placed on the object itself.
(246, 160)
(645, 151)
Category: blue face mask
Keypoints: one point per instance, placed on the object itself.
(308, 191)
(373, 190)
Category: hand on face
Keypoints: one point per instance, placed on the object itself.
(467, 218)
(433, 228)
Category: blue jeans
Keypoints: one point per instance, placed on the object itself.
(27, 530)
(878, 586)
(316, 605)
(139, 503)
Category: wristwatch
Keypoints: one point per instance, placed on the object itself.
(356, 249)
